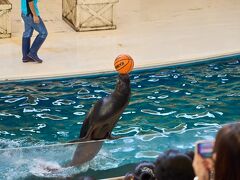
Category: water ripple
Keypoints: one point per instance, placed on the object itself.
(6, 143)
(51, 117)
(160, 76)
(9, 115)
(89, 97)
(4, 132)
(151, 97)
(102, 91)
(83, 91)
(212, 99)
(147, 154)
(221, 75)
(200, 107)
(33, 129)
(6, 97)
(152, 137)
(80, 106)
(156, 113)
(32, 100)
(31, 109)
(163, 97)
(129, 112)
(234, 94)
(153, 80)
(233, 62)
(175, 91)
(128, 130)
(63, 102)
(79, 113)
(195, 116)
(220, 113)
(13, 100)
(181, 128)
(207, 124)
(63, 133)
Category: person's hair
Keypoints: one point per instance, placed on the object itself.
(173, 165)
(143, 171)
(227, 148)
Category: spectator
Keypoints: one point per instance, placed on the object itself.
(225, 162)
(144, 171)
(173, 165)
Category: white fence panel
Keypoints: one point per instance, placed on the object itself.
(5, 19)
(89, 15)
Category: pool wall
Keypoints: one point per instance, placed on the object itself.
(136, 70)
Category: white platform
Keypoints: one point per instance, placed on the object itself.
(153, 32)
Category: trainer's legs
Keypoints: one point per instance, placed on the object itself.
(41, 29)
(26, 38)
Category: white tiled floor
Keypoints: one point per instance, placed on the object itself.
(153, 32)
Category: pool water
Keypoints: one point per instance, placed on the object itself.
(116, 158)
(165, 102)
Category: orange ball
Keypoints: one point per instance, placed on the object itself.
(124, 64)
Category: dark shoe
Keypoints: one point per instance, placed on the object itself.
(27, 59)
(35, 48)
(25, 48)
(35, 58)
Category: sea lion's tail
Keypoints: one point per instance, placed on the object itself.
(85, 152)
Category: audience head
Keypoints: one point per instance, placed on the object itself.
(143, 171)
(227, 149)
(225, 161)
(173, 165)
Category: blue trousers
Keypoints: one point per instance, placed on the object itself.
(30, 26)
(28, 51)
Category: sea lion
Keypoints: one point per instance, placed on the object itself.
(101, 120)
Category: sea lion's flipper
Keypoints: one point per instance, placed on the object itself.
(85, 152)
(85, 128)
(86, 123)
(88, 135)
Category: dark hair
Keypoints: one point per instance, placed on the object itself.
(143, 171)
(190, 154)
(227, 148)
(173, 165)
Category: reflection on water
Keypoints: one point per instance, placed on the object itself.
(52, 160)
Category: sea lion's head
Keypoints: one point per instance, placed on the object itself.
(123, 84)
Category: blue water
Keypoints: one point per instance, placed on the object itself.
(170, 107)
(163, 99)
(31, 163)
